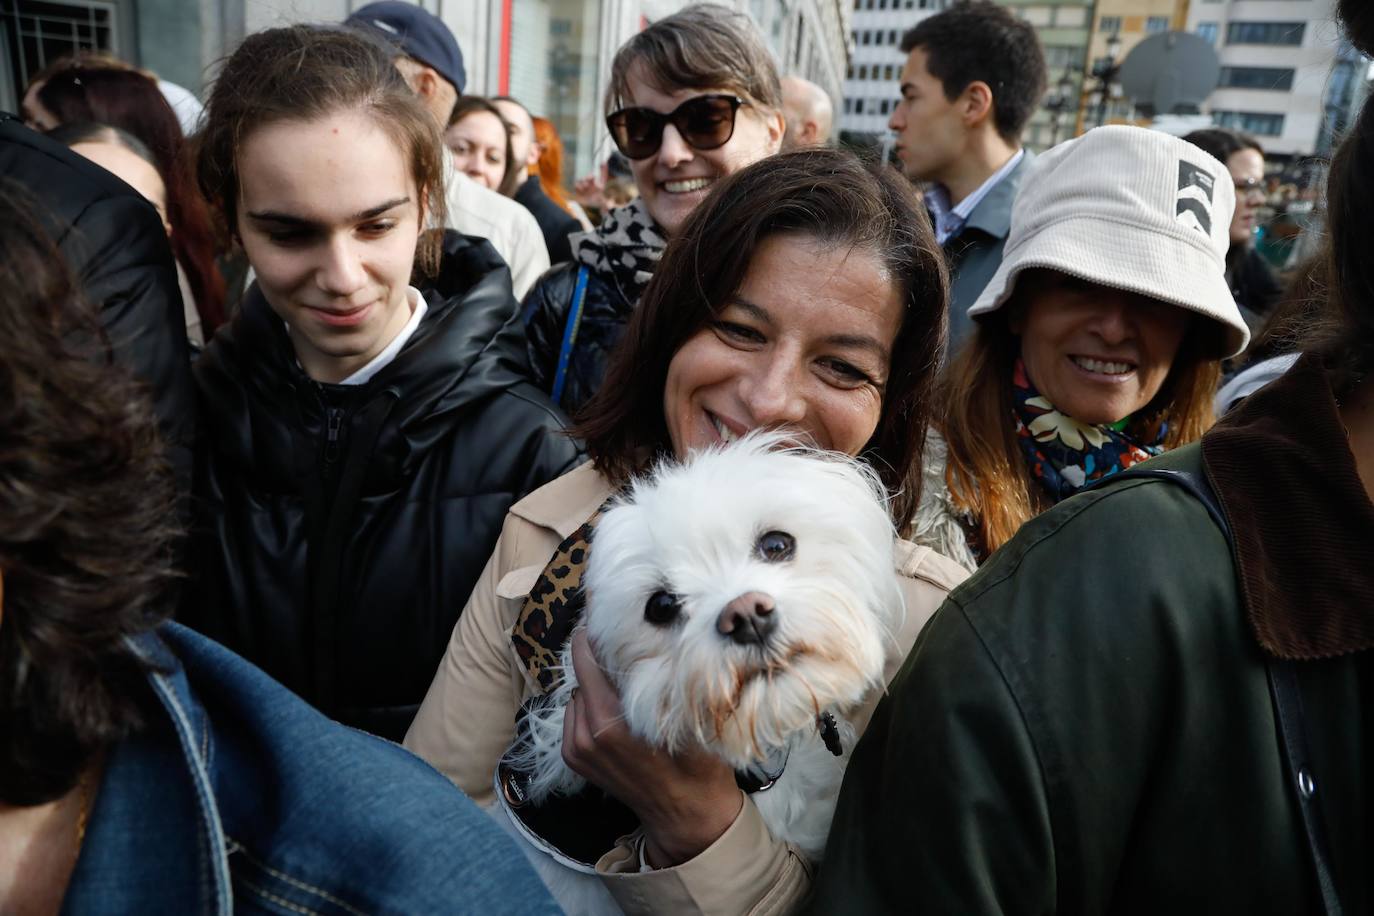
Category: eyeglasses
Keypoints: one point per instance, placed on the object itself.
(706, 122)
(1250, 186)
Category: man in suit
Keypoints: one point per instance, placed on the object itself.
(974, 75)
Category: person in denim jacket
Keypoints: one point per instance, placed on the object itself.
(145, 769)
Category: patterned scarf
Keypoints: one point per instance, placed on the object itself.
(553, 607)
(1064, 454)
(625, 248)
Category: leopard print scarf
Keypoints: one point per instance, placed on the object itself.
(553, 608)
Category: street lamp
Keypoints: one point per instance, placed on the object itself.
(1060, 100)
(1104, 71)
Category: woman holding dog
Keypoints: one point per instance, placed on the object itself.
(693, 98)
(1099, 339)
(847, 359)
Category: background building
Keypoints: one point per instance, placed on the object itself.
(871, 88)
(553, 55)
(875, 67)
(1277, 59)
(1118, 26)
(1064, 27)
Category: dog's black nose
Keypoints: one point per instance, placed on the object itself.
(748, 619)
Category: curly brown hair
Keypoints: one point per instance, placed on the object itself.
(86, 552)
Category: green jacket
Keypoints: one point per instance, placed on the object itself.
(1085, 726)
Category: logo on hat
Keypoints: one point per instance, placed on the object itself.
(1194, 202)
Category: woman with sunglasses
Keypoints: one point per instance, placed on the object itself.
(1252, 281)
(692, 99)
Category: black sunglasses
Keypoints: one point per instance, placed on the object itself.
(705, 122)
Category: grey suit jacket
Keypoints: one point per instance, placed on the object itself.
(975, 252)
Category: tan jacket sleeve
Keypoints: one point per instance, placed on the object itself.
(467, 719)
(747, 870)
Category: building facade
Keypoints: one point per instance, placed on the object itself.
(1120, 25)
(1280, 62)
(871, 89)
(871, 85)
(553, 55)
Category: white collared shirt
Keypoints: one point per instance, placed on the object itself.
(418, 307)
(949, 220)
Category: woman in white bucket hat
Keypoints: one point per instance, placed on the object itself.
(1099, 339)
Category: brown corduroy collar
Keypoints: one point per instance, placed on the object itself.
(1301, 521)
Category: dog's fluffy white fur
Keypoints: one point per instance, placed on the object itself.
(694, 530)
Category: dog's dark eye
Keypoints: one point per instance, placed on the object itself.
(776, 546)
(662, 608)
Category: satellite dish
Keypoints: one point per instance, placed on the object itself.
(1172, 73)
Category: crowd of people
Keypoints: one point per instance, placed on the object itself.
(314, 393)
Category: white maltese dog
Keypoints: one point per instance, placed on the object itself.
(741, 601)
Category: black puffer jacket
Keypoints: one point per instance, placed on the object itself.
(621, 256)
(605, 312)
(114, 243)
(342, 528)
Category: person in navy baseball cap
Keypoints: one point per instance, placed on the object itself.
(433, 52)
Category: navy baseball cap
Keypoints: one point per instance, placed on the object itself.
(418, 33)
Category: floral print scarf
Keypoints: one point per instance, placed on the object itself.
(1065, 455)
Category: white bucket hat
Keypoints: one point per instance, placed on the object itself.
(1132, 209)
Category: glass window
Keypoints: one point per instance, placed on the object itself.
(1264, 124)
(1156, 24)
(554, 64)
(1109, 24)
(1207, 31)
(1036, 15)
(1257, 78)
(1265, 33)
(33, 35)
(1070, 17)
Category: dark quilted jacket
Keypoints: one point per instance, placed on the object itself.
(342, 528)
(114, 243)
(604, 313)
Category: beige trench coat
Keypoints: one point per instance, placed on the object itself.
(468, 717)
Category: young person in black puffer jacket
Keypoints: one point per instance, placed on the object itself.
(364, 438)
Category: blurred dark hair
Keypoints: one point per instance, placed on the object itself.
(1221, 143)
(85, 497)
(1346, 337)
(131, 101)
(513, 176)
(300, 73)
(701, 46)
(74, 132)
(1358, 19)
(827, 195)
(980, 41)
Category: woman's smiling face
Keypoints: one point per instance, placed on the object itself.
(1097, 353)
(805, 344)
(674, 180)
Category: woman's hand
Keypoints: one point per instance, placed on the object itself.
(685, 801)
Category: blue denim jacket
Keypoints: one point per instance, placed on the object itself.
(243, 799)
